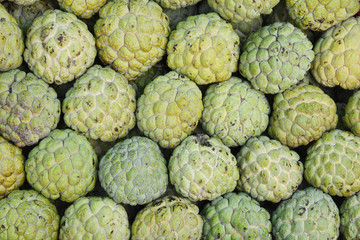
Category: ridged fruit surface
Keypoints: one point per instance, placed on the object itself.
(169, 109)
(101, 104)
(131, 35)
(234, 111)
(134, 171)
(352, 113)
(235, 216)
(350, 217)
(301, 115)
(29, 108)
(268, 170)
(333, 163)
(170, 217)
(82, 8)
(203, 168)
(62, 166)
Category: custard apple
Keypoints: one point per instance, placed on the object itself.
(309, 214)
(23, 2)
(11, 41)
(276, 57)
(12, 172)
(131, 35)
(134, 171)
(350, 217)
(170, 217)
(352, 113)
(28, 215)
(59, 47)
(205, 48)
(96, 218)
(235, 216)
(203, 168)
(337, 52)
(320, 15)
(63, 166)
(242, 10)
(268, 170)
(301, 115)
(169, 109)
(234, 111)
(100, 104)
(29, 108)
(82, 8)
(333, 163)
(176, 4)
(25, 14)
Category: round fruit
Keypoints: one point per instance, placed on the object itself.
(352, 113)
(350, 217)
(82, 8)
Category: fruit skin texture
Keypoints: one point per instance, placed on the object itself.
(308, 214)
(169, 109)
(276, 57)
(242, 10)
(268, 170)
(352, 113)
(234, 111)
(134, 171)
(319, 15)
(350, 217)
(12, 172)
(59, 47)
(28, 215)
(23, 2)
(131, 35)
(337, 55)
(101, 104)
(12, 42)
(301, 114)
(29, 108)
(63, 166)
(202, 168)
(176, 4)
(333, 163)
(235, 216)
(25, 14)
(170, 217)
(96, 218)
(82, 8)
(205, 48)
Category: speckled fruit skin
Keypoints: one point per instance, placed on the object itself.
(82, 8)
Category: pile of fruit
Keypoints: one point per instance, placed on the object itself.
(179, 119)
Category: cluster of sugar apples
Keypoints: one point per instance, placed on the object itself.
(179, 119)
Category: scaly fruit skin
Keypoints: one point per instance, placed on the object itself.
(205, 48)
(12, 172)
(333, 163)
(301, 115)
(352, 113)
(176, 4)
(276, 57)
(170, 217)
(96, 218)
(59, 47)
(350, 217)
(169, 109)
(27, 215)
(11, 41)
(203, 168)
(268, 170)
(319, 15)
(29, 108)
(134, 171)
(63, 166)
(82, 8)
(337, 51)
(309, 214)
(131, 35)
(100, 104)
(234, 111)
(23, 2)
(242, 10)
(25, 14)
(235, 216)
